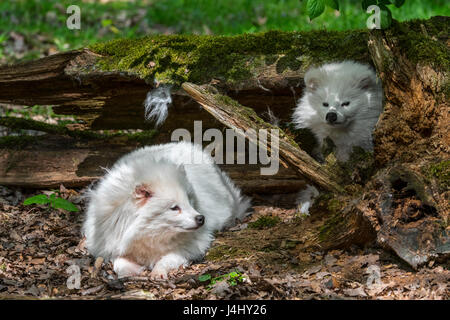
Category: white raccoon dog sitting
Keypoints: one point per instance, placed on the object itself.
(342, 101)
(156, 208)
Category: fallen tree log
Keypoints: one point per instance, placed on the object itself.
(75, 158)
(241, 119)
(106, 84)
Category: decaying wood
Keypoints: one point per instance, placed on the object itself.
(114, 100)
(416, 118)
(51, 160)
(410, 207)
(409, 219)
(242, 119)
(404, 207)
(107, 84)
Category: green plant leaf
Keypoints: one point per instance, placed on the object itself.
(204, 277)
(367, 3)
(315, 8)
(385, 16)
(334, 4)
(106, 22)
(385, 2)
(398, 3)
(39, 199)
(60, 203)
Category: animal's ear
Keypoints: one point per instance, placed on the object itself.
(312, 84)
(312, 79)
(182, 170)
(142, 193)
(366, 83)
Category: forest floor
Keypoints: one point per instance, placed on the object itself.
(266, 257)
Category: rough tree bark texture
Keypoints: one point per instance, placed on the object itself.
(410, 195)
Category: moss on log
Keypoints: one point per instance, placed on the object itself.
(199, 59)
(106, 84)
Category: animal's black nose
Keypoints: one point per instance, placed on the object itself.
(331, 117)
(200, 220)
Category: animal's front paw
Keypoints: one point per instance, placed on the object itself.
(158, 274)
(303, 208)
(305, 199)
(126, 268)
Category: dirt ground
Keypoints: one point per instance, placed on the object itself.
(41, 251)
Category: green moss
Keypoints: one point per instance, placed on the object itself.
(179, 58)
(264, 222)
(16, 142)
(422, 41)
(354, 173)
(326, 202)
(143, 138)
(441, 171)
(198, 59)
(336, 220)
(59, 129)
(330, 204)
(328, 229)
(222, 252)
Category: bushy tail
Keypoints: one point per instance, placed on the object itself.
(242, 208)
(241, 202)
(157, 104)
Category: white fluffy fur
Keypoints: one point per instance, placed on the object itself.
(136, 232)
(157, 104)
(335, 84)
(306, 198)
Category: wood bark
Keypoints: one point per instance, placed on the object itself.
(77, 159)
(241, 119)
(114, 100)
(408, 200)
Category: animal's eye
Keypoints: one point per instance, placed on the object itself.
(325, 104)
(175, 208)
(345, 103)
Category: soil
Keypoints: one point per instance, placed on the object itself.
(41, 251)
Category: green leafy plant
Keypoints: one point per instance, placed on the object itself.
(316, 7)
(54, 201)
(233, 278)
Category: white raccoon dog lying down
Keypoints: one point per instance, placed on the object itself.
(156, 209)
